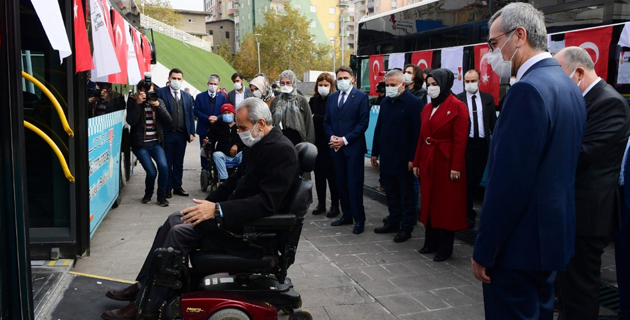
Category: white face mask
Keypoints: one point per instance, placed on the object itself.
(433, 91)
(407, 78)
(343, 85)
(175, 84)
(392, 92)
(323, 91)
(257, 94)
(248, 138)
(472, 87)
(579, 81)
(286, 89)
(238, 86)
(512, 81)
(499, 66)
(212, 88)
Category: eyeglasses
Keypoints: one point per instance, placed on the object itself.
(493, 41)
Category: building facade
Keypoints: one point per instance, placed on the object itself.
(221, 31)
(194, 23)
(219, 9)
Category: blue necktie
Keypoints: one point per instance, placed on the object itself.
(343, 99)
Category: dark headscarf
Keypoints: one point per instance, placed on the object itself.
(444, 78)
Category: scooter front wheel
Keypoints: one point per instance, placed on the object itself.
(230, 314)
(301, 315)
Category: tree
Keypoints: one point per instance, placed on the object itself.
(160, 10)
(285, 43)
(225, 51)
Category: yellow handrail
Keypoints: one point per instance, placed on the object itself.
(54, 101)
(62, 160)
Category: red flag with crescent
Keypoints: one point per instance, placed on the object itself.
(120, 47)
(146, 51)
(596, 42)
(82, 56)
(377, 64)
(489, 81)
(422, 59)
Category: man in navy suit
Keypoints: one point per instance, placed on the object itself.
(208, 109)
(345, 122)
(527, 226)
(179, 104)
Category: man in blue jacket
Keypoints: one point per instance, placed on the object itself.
(527, 227)
(179, 104)
(208, 110)
(395, 140)
(345, 122)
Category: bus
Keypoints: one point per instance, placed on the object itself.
(433, 28)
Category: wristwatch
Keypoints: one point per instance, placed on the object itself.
(217, 215)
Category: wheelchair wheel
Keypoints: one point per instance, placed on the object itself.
(287, 310)
(301, 315)
(204, 180)
(230, 314)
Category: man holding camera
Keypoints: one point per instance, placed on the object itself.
(146, 115)
(102, 100)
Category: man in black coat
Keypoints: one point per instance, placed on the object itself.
(257, 189)
(483, 116)
(596, 185)
(395, 141)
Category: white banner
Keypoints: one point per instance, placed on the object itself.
(623, 76)
(396, 60)
(624, 39)
(105, 62)
(50, 16)
(452, 59)
(133, 71)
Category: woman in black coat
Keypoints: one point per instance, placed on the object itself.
(324, 169)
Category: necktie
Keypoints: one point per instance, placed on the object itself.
(176, 95)
(342, 100)
(474, 115)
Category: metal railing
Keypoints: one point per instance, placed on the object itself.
(148, 22)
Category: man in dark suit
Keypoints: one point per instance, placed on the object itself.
(596, 184)
(180, 105)
(395, 140)
(240, 91)
(483, 116)
(257, 189)
(345, 122)
(622, 241)
(208, 110)
(527, 227)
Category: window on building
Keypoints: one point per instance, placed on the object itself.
(313, 24)
(265, 8)
(249, 2)
(249, 15)
(394, 4)
(227, 34)
(210, 32)
(331, 25)
(331, 10)
(191, 20)
(298, 6)
(313, 9)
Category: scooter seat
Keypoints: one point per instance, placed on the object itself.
(214, 263)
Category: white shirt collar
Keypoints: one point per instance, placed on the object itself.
(529, 63)
(173, 91)
(348, 91)
(468, 94)
(211, 94)
(591, 86)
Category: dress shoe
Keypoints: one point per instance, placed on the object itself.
(385, 220)
(439, 258)
(334, 211)
(426, 250)
(128, 312)
(471, 223)
(402, 236)
(180, 192)
(126, 294)
(321, 208)
(146, 198)
(169, 194)
(162, 202)
(341, 222)
(358, 228)
(388, 228)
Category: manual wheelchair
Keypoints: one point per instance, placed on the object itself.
(210, 178)
(221, 286)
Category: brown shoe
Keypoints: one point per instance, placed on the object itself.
(126, 294)
(126, 313)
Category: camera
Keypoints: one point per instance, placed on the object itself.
(152, 96)
(94, 92)
(145, 85)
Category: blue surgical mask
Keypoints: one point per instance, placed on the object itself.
(228, 118)
(175, 84)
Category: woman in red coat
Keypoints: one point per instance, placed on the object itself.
(440, 164)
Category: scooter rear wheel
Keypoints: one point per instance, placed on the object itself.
(230, 314)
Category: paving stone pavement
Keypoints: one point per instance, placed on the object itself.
(339, 275)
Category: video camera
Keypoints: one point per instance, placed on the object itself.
(146, 85)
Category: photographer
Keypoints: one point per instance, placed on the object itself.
(102, 100)
(146, 115)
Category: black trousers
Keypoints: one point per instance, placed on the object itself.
(325, 171)
(439, 240)
(476, 159)
(400, 199)
(578, 285)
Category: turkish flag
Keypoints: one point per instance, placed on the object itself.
(377, 64)
(120, 47)
(83, 56)
(137, 45)
(146, 50)
(596, 42)
(490, 81)
(422, 59)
